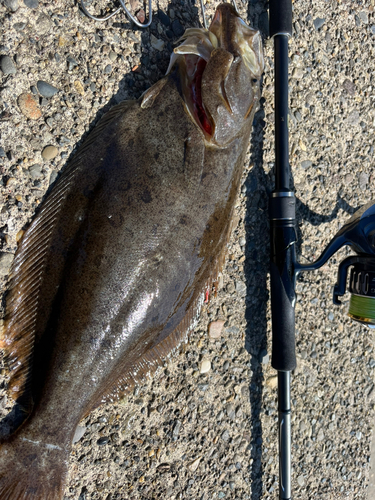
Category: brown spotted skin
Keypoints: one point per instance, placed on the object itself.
(110, 272)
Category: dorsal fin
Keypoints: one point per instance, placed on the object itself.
(28, 272)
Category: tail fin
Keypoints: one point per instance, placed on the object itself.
(32, 470)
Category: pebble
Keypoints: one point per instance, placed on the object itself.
(363, 16)
(225, 436)
(80, 431)
(318, 22)
(349, 86)
(241, 288)
(272, 382)
(164, 18)
(320, 436)
(156, 43)
(43, 24)
(177, 28)
(205, 366)
(79, 87)
(306, 164)
(6, 260)
(2, 153)
(19, 26)
(11, 5)
(107, 69)
(72, 63)
(215, 329)
(31, 4)
(46, 89)
(301, 481)
(28, 106)
(363, 179)
(193, 466)
(353, 117)
(49, 152)
(7, 66)
(35, 171)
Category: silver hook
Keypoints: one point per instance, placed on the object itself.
(128, 13)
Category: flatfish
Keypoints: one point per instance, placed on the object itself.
(109, 276)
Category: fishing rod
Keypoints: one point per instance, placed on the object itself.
(358, 233)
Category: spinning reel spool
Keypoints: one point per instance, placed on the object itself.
(359, 233)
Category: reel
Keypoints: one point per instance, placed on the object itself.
(358, 233)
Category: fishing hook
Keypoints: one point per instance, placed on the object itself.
(135, 21)
(128, 13)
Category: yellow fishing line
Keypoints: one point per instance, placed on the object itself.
(362, 308)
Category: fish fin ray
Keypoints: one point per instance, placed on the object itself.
(25, 299)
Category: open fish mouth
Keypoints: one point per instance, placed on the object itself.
(229, 32)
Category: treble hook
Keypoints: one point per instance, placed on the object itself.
(128, 13)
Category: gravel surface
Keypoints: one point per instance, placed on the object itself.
(205, 428)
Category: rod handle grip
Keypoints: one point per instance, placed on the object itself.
(283, 323)
(280, 17)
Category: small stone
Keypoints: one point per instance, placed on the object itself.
(306, 164)
(19, 26)
(225, 436)
(205, 366)
(80, 430)
(241, 288)
(92, 87)
(349, 178)
(363, 179)
(31, 4)
(29, 107)
(72, 63)
(363, 16)
(6, 260)
(35, 171)
(112, 56)
(349, 87)
(372, 29)
(301, 480)
(298, 73)
(107, 69)
(193, 466)
(49, 152)
(272, 382)
(7, 66)
(176, 430)
(177, 27)
(164, 18)
(79, 87)
(2, 153)
(156, 43)
(11, 5)
(103, 440)
(215, 329)
(353, 118)
(318, 22)
(43, 24)
(45, 89)
(242, 241)
(320, 436)
(358, 435)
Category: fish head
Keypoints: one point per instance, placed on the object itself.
(219, 71)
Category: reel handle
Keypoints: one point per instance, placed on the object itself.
(280, 17)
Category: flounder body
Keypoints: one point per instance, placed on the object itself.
(110, 274)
